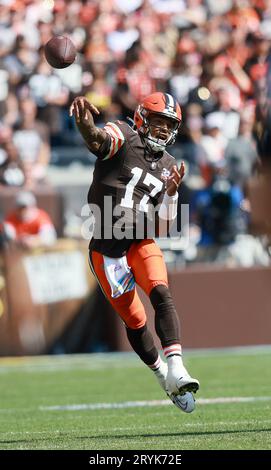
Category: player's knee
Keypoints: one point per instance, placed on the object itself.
(160, 295)
(135, 323)
(136, 332)
(133, 315)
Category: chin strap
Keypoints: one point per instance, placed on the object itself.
(154, 147)
(131, 122)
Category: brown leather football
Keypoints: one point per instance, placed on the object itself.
(60, 52)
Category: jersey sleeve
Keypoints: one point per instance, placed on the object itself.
(116, 140)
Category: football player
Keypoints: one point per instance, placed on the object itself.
(135, 170)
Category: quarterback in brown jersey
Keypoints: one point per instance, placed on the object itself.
(134, 175)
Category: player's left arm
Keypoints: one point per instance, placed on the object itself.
(168, 209)
(174, 180)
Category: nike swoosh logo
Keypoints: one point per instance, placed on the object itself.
(183, 406)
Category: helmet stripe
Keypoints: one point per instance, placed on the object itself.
(170, 102)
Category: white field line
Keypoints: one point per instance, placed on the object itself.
(96, 361)
(149, 403)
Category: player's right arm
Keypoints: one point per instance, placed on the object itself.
(83, 111)
(104, 143)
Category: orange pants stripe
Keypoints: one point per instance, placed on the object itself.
(148, 266)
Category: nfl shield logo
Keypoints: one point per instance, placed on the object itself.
(165, 174)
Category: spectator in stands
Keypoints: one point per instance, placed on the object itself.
(218, 213)
(11, 171)
(9, 107)
(190, 149)
(226, 111)
(31, 139)
(28, 225)
(241, 154)
(213, 143)
(99, 92)
(50, 95)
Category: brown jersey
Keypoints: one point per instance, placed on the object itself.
(128, 181)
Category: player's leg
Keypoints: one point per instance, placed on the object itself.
(147, 262)
(168, 329)
(130, 308)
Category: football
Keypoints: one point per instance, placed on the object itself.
(60, 52)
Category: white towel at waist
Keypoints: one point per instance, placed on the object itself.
(119, 275)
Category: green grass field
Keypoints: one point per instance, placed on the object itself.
(30, 386)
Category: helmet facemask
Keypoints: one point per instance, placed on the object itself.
(158, 144)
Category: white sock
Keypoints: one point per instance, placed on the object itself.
(160, 370)
(175, 362)
(173, 355)
(173, 349)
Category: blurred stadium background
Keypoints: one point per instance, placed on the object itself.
(214, 57)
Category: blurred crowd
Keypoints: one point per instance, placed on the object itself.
(213, 56)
